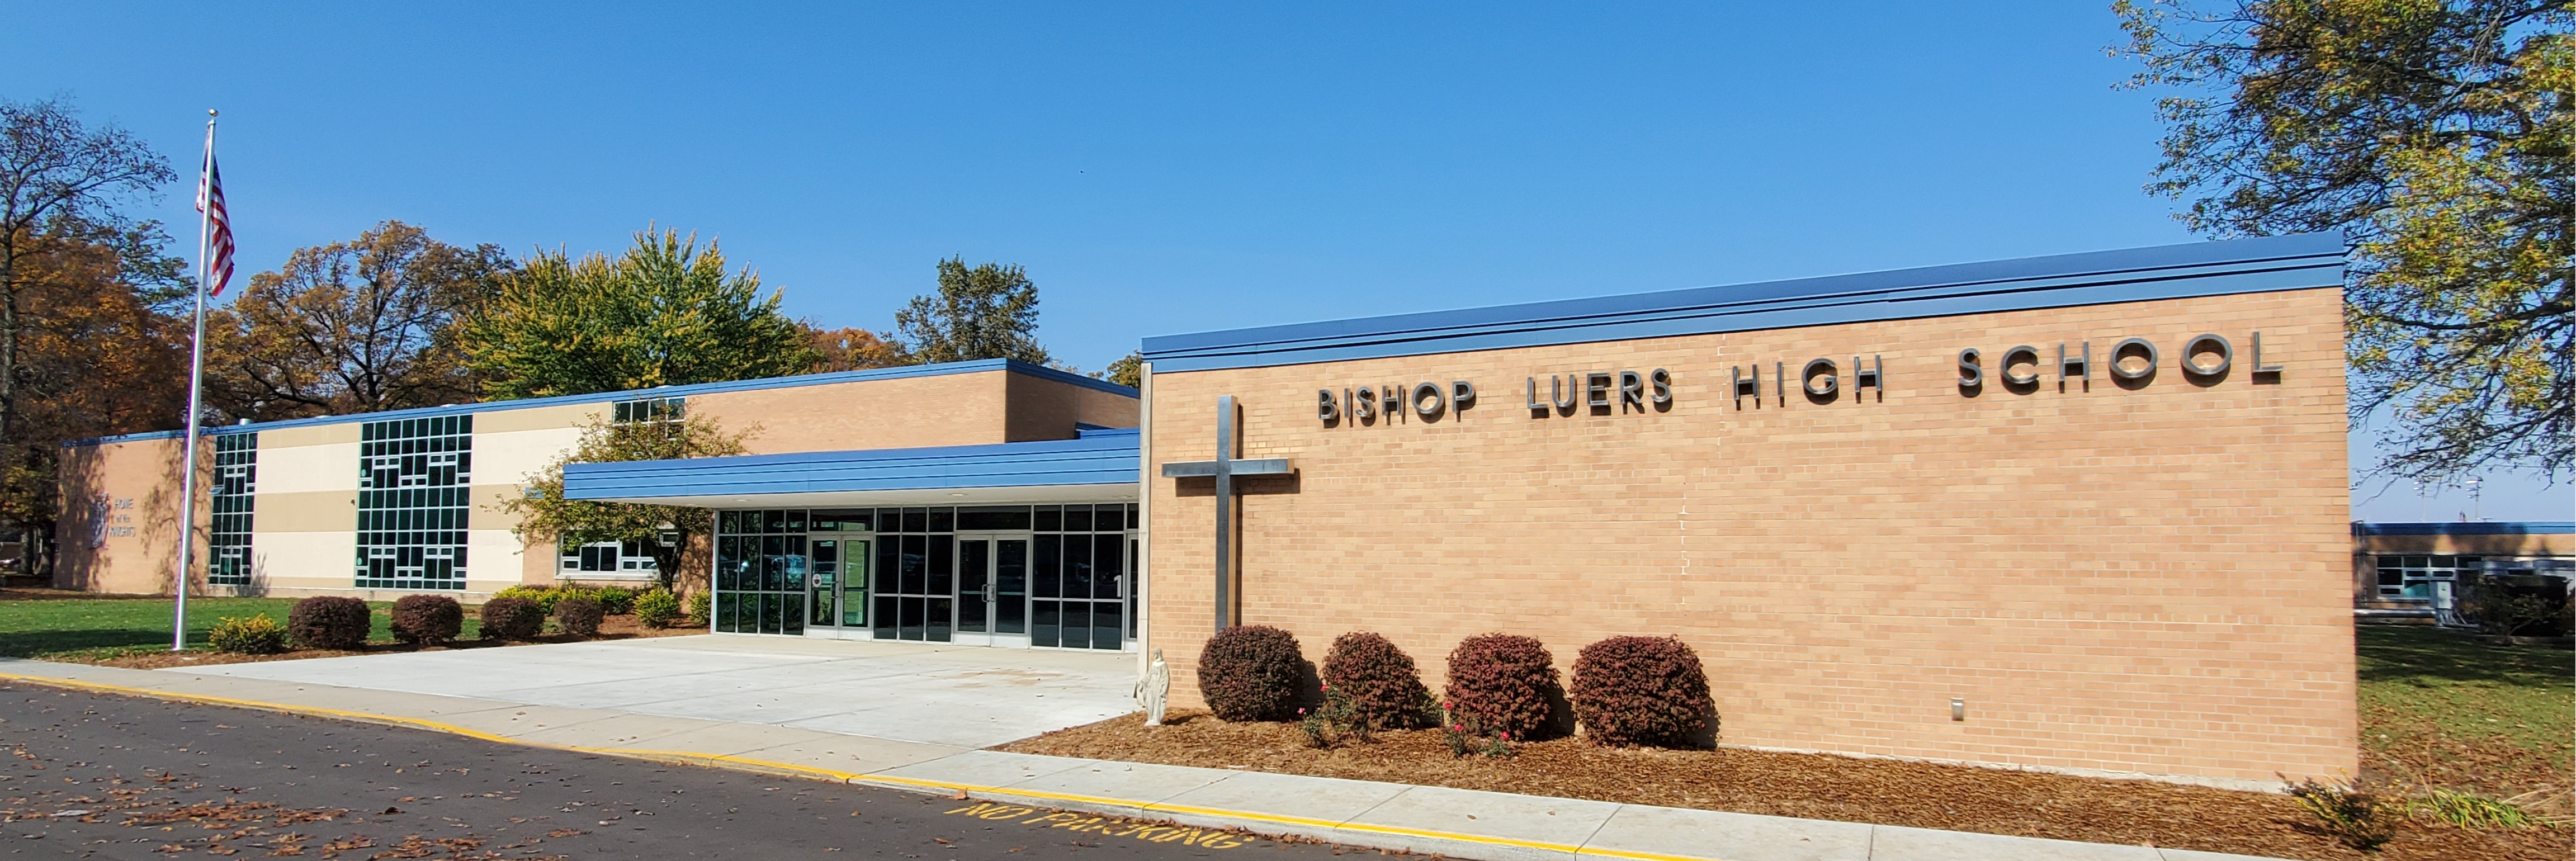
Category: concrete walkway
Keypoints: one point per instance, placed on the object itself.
(1021, 787)
(962, 696)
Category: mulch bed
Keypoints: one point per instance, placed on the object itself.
(1812, 786)
(610, 628)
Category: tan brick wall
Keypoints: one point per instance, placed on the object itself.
(1043, 409)
(132, 490)
(2152, 580)
(907, 412)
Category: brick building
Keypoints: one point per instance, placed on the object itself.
(2098, 501)
(380, 504)
(2085, 512)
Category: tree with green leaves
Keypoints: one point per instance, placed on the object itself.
(663, 313)
(989, 311)
(2440, 137)
(546, 516)
(1128, 370)
(360, 326)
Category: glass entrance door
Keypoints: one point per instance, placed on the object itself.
(824, 606)
(993, 589)
(839, 583)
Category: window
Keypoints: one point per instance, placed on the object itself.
(631, 558)
(649, 410)
(234, 494)
(2413, 576)
(761, 566)
(414, 477)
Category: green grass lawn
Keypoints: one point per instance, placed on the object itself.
(93, 629)
(2445, 709)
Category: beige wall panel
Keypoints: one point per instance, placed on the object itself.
(906, 412)
(487, 512)
(316, 562)
(327, 434)
(494, 560)
(537, 418)
(318, 468)
(2148, 580)
(509, 457)
(324, 511)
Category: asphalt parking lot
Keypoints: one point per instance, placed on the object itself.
(102, 776)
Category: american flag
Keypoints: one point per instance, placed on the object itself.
(219, 236)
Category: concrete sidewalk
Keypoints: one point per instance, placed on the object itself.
(1453, 822)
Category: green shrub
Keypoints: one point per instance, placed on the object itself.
(524, 592)
(615, 600)
(1252, 672)
(2359, 819)
(701, 606)
(578, 615)
(257, 635)
(2519, 606)
(330, 622)
(1384, 688)
(657, 608)
(427, 620)
(1640, 690)
(512, 619)
(2473, 811)
(1502, 685)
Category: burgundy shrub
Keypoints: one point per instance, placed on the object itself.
(579, 616)
(1502, 684)
(512, 619)
(1639, 691)
(1384, 687)
(1252, 673)
(427, 620)
(330, 622)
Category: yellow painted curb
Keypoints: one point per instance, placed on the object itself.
(695, 757)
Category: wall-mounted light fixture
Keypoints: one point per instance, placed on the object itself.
(1958, 708)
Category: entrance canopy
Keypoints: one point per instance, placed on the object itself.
(1099, 466)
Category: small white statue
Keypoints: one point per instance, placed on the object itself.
(1153, 686)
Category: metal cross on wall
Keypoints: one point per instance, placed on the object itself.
(1224, 468)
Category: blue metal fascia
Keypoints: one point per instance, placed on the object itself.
(975, 367)
(2482, 527)
(1103, 460)
(2306, 261)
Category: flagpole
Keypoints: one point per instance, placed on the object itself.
(196, 382)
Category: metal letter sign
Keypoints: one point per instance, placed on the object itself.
(1224, 468)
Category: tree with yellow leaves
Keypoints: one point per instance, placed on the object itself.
(2440, 137)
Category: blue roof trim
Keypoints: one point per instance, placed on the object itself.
(2264, 264)
(1105, 458)
(2482, 527)
(979, 366)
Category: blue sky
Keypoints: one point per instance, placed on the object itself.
(1166, 168)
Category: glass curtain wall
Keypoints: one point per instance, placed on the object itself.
(413, 479)
(760, 572)
(235, 493)
(1077, 591)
